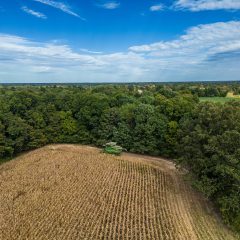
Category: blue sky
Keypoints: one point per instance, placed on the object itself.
(119, 41)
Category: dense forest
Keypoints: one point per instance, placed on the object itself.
(164, 120)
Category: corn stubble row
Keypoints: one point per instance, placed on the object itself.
(73, 192)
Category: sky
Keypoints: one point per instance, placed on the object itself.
(49, 41)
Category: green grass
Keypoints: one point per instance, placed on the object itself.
(217, 99)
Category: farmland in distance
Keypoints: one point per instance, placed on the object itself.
(230, 97)
(76, 192)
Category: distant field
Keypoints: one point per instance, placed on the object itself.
(231, 95)
(228, 98)
(67, 192)
(217, 99)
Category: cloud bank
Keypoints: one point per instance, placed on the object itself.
(204, 52)
(201, 5)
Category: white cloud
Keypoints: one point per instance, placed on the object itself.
(42, 69)
(61, 6)
(89, 51)
(29, 59)
(34, 13)
(110, 5)
(203, 40)
(200, 5)
(204, 52)
(21, 49)
(158, 7)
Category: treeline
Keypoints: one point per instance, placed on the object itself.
(209, 146)
(143, 121)
(158, 120)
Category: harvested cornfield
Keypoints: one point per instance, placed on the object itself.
(76, 192)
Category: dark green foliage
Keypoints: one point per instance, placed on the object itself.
(209, 146)
(165, 120)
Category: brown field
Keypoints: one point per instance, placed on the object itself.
(231, 95)
(64, 192)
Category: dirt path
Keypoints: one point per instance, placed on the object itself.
(76, 192)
